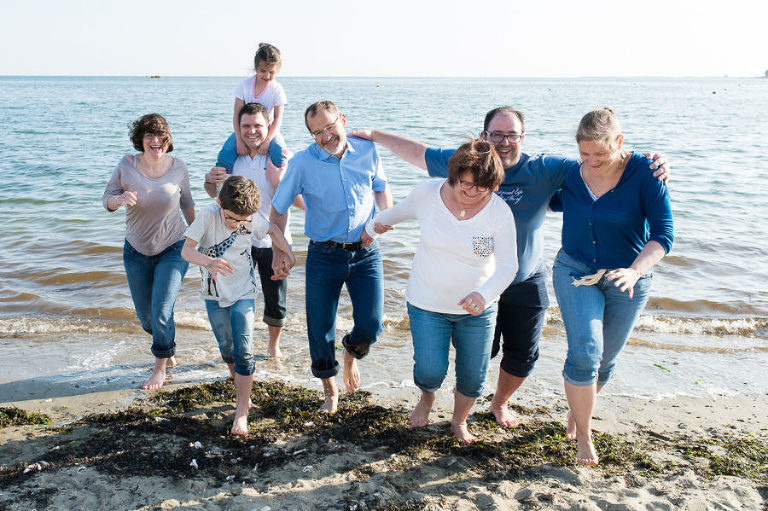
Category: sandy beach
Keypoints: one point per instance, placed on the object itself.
(121, 448)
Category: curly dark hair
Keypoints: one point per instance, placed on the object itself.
(240, 196)
(479, 158)
(150, 123)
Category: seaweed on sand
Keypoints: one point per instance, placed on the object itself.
(12, 416)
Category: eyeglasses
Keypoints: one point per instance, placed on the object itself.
(497, 137)
(236, 220)
(468, 185)
(327, 129)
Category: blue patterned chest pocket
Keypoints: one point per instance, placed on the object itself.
(482, 246)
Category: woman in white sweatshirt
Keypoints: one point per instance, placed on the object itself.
(467, 256)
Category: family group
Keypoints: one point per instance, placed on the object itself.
(478, 279)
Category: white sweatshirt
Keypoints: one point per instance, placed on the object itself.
(455, 257)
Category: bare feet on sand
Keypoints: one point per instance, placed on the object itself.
(570, 430)
(273, 350)
(158, 375)
(351, 374)
(461, 431)
(586, 454)
(331, 396)
(240, 424)
(420, 415)
(504, 417)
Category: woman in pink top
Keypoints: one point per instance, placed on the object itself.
(154, 188)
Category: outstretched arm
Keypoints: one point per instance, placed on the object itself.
(404, 148)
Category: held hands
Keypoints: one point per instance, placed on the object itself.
(216, 175)
(282, 263)
(625, 279)
(379, 228)
(473, 303)
(660, 164)
(219, 266)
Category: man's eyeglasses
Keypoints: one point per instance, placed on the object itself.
(327, 129)
(468, 185)
(497, 137)
(236, 220)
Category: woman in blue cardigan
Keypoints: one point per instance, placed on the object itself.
(617, 224)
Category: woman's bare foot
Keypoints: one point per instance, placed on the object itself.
(461, 431)
(420, 415)
(570, 430)
(158, 375)
(240, 424)
(504, 417)
(586, 454)
(351, 374)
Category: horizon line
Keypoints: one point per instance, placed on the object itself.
(382, 76)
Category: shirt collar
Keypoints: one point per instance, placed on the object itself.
(322, 154)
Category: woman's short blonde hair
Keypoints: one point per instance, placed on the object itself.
(600, 126)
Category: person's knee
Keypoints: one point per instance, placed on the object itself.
(471, 386)
(245, 364)
(429, 378)
(521, 367)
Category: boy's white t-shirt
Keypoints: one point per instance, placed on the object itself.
(215, 240)
(273, 95)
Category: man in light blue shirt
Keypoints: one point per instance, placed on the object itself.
(340, 179)
(528, 185)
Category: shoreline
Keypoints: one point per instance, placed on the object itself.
(668, 453)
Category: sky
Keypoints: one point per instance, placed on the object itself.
(378, 38)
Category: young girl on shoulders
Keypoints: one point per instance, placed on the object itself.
(259, 88)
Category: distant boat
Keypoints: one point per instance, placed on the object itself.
(155, 77)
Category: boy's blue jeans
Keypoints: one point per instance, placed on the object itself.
(471, 336)
(233, 328)
(228, 153)
(598, 320)
(154, 282)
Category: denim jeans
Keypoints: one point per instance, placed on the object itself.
(471, 336)
(274, 291)
(328, 268)
(154, 282)
(233, 328)
(598, 320)
(228, 153)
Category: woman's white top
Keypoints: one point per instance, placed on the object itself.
(455, 257)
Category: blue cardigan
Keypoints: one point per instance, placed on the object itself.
(611, 231)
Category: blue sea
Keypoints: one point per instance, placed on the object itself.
(66, 313)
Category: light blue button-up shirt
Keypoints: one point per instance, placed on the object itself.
(338, 193)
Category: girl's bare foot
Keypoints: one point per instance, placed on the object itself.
(461, 431)
(504, 417)
(171, 363)
(586, 454)
(570, 431)
(231, 368)
(158, 375)
(420, 415)
(351, 374)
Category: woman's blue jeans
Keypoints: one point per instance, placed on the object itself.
(233, 328)
(154, 282)
(598, 320)
(471, 336)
